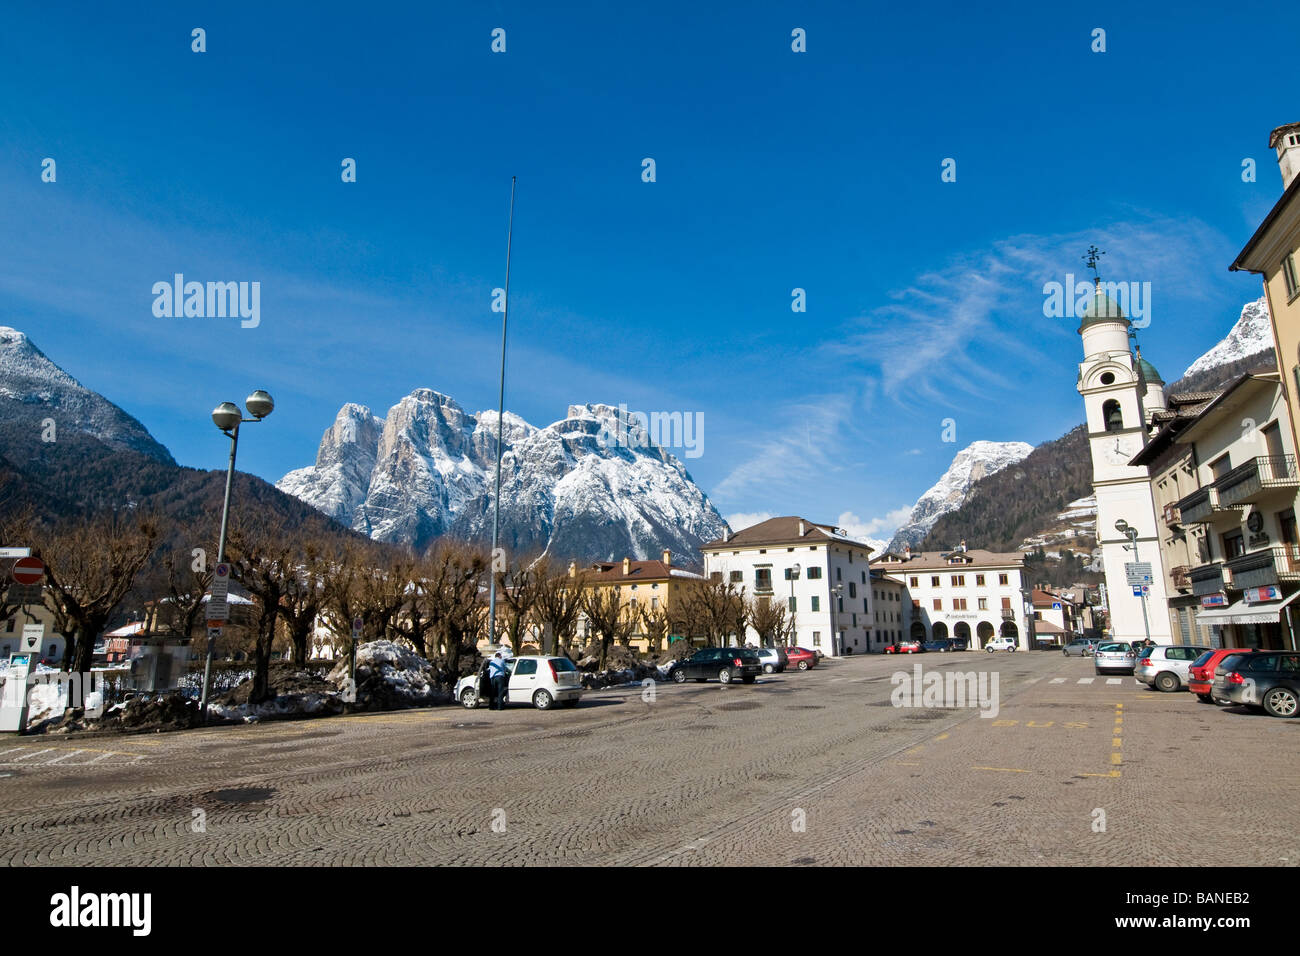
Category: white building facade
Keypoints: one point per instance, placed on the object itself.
(817, 571)
(973, 595)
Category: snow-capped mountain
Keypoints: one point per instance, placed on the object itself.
(1252, 334)
(427, 469)
(32, 387)
(977, 460)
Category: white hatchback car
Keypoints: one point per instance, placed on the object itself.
(537, 680)
(1001, 644)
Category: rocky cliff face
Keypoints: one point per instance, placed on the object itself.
(428, 469)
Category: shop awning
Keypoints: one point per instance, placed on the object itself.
(1243, 613)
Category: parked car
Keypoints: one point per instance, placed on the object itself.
(1267, 679)
(958, 644)
(801, 657)
(773, 659)
(905, 647)
(723, 664)
(1165, 666)
(1114, 657)
(1080, 647)
(943, 645)
(1200, 676)
(1001, 644)
(534, 679)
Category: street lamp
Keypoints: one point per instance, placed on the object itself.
(1124, 528)
(228, 418)
(838, 591)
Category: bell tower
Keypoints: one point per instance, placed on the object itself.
(1116, 390)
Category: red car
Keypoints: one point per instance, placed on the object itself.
(1200, 676)
(904, 647)
(801, 658)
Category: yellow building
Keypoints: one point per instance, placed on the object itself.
(1271, 253)
(640, 585)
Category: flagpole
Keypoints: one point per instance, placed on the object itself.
(501, 411)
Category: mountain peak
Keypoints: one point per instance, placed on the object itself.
(1252, 334)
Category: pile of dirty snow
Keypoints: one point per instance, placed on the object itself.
(390, 676)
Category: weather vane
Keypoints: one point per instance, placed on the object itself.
(1092, 258)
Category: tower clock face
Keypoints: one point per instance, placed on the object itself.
(1119, 450)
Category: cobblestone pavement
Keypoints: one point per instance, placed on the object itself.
(801, 768)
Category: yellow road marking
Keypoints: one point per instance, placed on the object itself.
(1116, 758)
(942, 737)
(1002, 769)
(1113, 773)
(1117, 742)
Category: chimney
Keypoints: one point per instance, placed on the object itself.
(668, 557)
(907, 552)
(627, 566)
(573, 569)
(963, 546)
(801, 532)
(726, 535)
(1286, 140)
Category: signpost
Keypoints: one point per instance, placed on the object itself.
(33, 634)
(1138, 573)
(218, 610)
(14, 553)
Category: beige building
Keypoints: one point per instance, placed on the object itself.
(1272, 254)
(1239, 522)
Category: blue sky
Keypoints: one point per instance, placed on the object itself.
(775, 170)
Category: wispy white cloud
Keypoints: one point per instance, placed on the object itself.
(741, 520)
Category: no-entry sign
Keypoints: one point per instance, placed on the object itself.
(29, 571)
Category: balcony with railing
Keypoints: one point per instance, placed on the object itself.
(1256, 477)
(1257, 569)
(1173, 517)
(1203, 504)
(1008, 614)
(1209, 579)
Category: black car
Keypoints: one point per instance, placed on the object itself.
(724, 664)
(943, 645)
(1266, 679)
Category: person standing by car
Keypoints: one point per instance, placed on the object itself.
(497, 671)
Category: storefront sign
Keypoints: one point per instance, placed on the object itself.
(1255, 595)
(1214, 600)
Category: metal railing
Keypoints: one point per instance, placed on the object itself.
(1256, 569)
(1246, 481)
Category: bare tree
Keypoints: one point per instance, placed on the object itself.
(768, 618)
(90, 567)
(609, 617)
(713, 609)
(558, 603)
(304, 596)
(655, 624)
(517, 590)
(262, 558)
(456, 573)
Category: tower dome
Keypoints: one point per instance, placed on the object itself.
(1101, 308)
(1148, 371)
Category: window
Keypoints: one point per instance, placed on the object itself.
(816, 603)
(1273, 443)
(837, 573)
(762, 579)
(1288, 273)
(654, 604)
(914, 582)
(814, 574)
(737, 577)
(526, 667)
(1006, 604)
(1002, 579)
(959, 604)
(1112, 416)
(938, 604)
(984, 604)
(1220, 466)
(1234, 545)
(853, 589)
(979, 580)
(715, 575)
(1286, 521)
(865, 608)
(934, 581)
(959, 580)
(817, 638)
(9, 625)
(864, 577)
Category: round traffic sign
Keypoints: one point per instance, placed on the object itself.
(29, 571)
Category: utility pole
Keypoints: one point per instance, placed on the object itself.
(501, 411)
